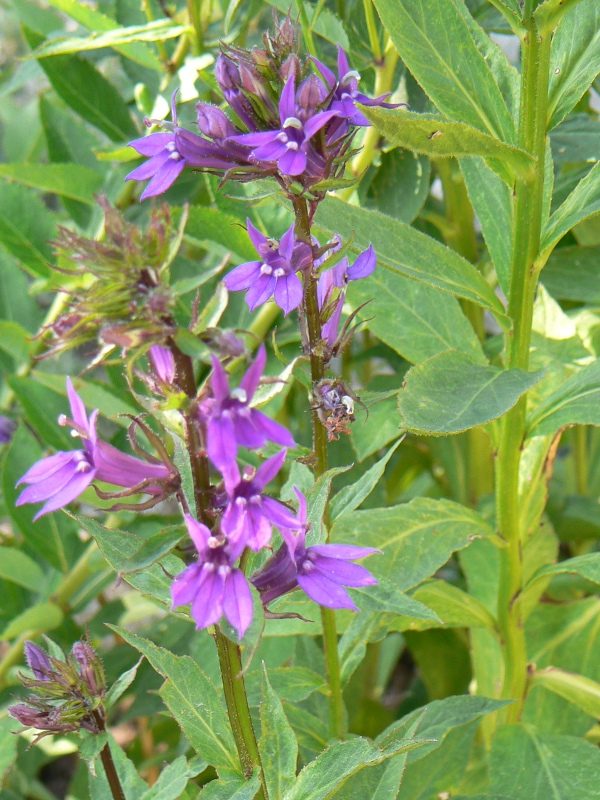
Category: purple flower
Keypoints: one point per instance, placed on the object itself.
(38, 661)
(163, 363)
(344, 91)
(275, 274)
(213, 586)
(232, 422)
(321, 571)
(169, 153)
(287, 145)
(250, 515)
(230, 81)
(7, 427)
(59, 479)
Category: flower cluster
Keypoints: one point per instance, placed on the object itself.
(66, 695)
(59, 479)
(304, 135)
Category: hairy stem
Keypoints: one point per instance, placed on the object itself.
(310, 308)
(107, 762)
(528, 200)
(230, 660)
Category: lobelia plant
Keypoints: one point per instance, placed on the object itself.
(361, 323)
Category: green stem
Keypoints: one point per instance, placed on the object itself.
(195, 18)
(229, 654)
(317, 369)
(372, 30)
(528, 200)
(580, 458)
(306, 28)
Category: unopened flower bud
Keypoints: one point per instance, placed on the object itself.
(227, 73)
(7, 427)
(290, 67)
(38, 661)
(90, 667)
(213, 122)
(163, 363)
(310, 95)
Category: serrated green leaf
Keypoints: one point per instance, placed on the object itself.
(450, 393)
(231, 788)
(133, 786)
(416, 538)
(537, 765)
(277, 744)
(575, 401)
(385, 597)
(171, 781)
(350, 497)
(583, 202)
(457, 79)
(408, 253)
(437, 138)
(574, 58)
(194, 701)
(120, 686)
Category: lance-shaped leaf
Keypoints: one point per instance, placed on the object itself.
(416, 538)
(576, 401)
(574, 58)
(457, 78)
(404, 251)
(454, 607)
(586, 566)
(527, 763)
(577, 689)
(277, 744)
(437, 138)
(67, 180)
(350, 497)
(195, 702)
(26, 228)
(583, 202)
(449, 393)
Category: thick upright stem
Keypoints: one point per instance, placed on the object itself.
(528, 200)
(110, 770)
(317, 368)
(229, 653)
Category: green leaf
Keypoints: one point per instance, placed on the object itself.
(159, 30)
(416, 538)
(292, 684)
(583, 202)
(582, 692)
(120, 686)
(340, 761)
(350, 497)
(87, 92)
(94, 20)
(437, 138)
(385, 597)
(233, 788)
(400, 186)
(133, 785)
(171, 781)
(408, 253)
(449, 393)
(317, 498)
(457, 79)
(576, 140)
(26, 228)
(194, 701)
(575, 401)
(377, 425)
(542, 766)
(8, 745)
(586, 566)
(214, 225)
(67, 180)
(277, 744)
(491, 200)
(455, 607)
(36, 619)
(17, 567)
(15, 341)
(41, 408)
(564, 263)
(574, 58)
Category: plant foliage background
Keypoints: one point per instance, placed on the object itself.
(473, 670)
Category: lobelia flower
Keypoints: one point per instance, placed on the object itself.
(59, 479)
(169, 153)
(249, 516)
(275, 274)
(287, 145)
(7, 427)
(344, 91)
(163, 363)
(213, 586)
(321, 571)
(231, 422)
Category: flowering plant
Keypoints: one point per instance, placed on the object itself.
(298, 408)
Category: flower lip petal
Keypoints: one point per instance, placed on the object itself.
(243, 276)
(164, 178)
(76, 486)
(237, 601)
(349, 552)
(254, 373)
(152, 145)
(324, 591)
(287, 101)
(288, 292)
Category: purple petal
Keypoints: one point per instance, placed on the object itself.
(163, 363)
(329, 330)
(243, 277)
(78, 411)
(293, 162)
(325, 592)
(318, 121)
(256, 528)
(207, 607)
(148, 168)
(246, 433)
(152, 145)
(261, 291)
(222, 449)
(198, 532)
(42, 490)
(47, 467)
(287, 243)
(37, 661)
(279, 514)
(349, 552)
(344, 572)
(342, 63)
(327, 74)
(364, 264)
(287, 101)
(113, 466)
(186, 584)
(237, 601)
(272, 430)
(270, 152)
(258, 239)
(251, 379)
(76, 486)
(269, 469)
(164, 178)
(219, 381)
(255, 139)
(302, 506)
(288, 292)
